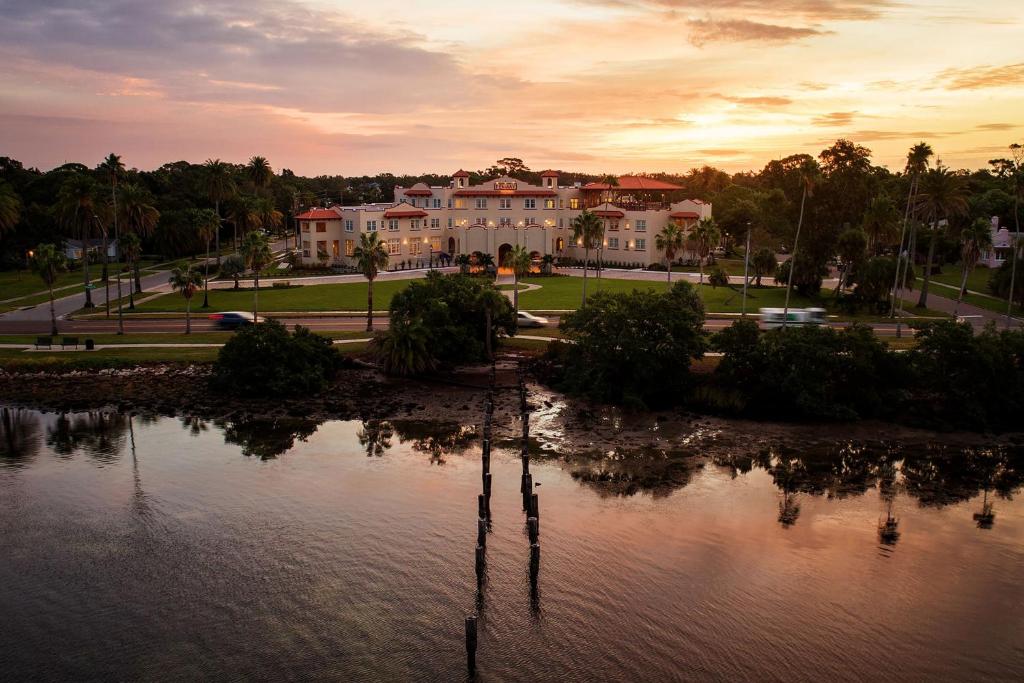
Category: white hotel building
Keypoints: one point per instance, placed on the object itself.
(492, 217)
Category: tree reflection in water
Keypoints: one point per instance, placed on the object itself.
(19, 434)
(375, 437)
(98, 434)
(935, 475)
(437, 439)
(266, 438)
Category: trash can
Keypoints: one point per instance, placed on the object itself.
(90, 345)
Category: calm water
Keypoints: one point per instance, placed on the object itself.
(163, 549)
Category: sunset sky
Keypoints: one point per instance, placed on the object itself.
(330, 86)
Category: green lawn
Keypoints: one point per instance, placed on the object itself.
(977, 280)
(731, 266)
(337, 297)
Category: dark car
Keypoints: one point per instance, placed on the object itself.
(235, 319)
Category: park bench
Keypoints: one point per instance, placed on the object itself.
(44, 341)
(69, 341)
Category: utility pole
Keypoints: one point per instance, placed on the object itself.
(746, 266)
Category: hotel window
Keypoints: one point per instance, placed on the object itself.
(350, 247)
(613, 242)
(549, 203)
(435, 223)
(321, 248)
(561, 222)
(613, 225)
(414, 224)
(321, 227)
(574, 203)
(436, 203)
(415, 247)
(481, 202)
(393, 224)
(336, 249)
(371, 226)
(561, 203)
(641, 225)
(305, 248)
(641, 245)
(529, 203)
(348, 226)
(450, 224)
(435, 243)
(505, 221)
(504, 203)
(460, 203)
(395, 246)
(305, 226)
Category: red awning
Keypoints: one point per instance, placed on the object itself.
(505, 193)
(417, 192)
(684, 214)
(405, 213)
(610, 214)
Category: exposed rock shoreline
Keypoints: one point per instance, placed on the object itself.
(558, 425)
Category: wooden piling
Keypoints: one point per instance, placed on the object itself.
(481, 506)
(480, 562)
(534, 560)
(481, 532)
(487, 484)
(526, 463)
(535, 506)
(526, 485)
(533, 527)
(471, 644)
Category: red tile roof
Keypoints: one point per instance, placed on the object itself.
(460, 174)
(684, 214)
(319, 215)
(549, 174)
(634, 182)
(609, 214)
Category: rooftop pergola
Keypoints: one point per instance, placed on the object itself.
(634, 193)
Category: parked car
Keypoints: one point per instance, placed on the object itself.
(529, 320)
(235, 319)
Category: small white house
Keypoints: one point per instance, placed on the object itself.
(73, 249)
(1002, 245)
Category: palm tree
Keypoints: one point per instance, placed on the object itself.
(810, 173)
(139, 216)
(706, 234)
(270, 218)
(48, 262)
(244, 216)
(206, 223)
(879, 222)
(131, 248)
(492, 302)
(76, 205)
(1017, 178)
(219, 187)
(585, 229)
(463, 262)
(943, 195)
(10, 207)
(974, 239)
(370, 256)
(763, 262)
(256, 252)
(670, 240)
(405, 348)
(917, 164)
(518, 260)
(186, 280)
(114, 168)
(486, 261)
(259, 172)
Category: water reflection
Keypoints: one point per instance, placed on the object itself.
(433, 438)
(99, 434)
(375, 437)
(266, 438)
(19, 434)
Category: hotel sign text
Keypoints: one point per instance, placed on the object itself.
(504, 186)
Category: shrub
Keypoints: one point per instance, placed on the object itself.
(633, 348)
(808, 275)
(718, 277)
(999, 281)
(404, 349)
(450, 309)
(265, 360)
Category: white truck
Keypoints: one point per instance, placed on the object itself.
(774, 317)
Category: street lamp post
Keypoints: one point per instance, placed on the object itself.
(430, 253)
(746, 265)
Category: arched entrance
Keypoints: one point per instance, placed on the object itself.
(451, 246)
(503, 251)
